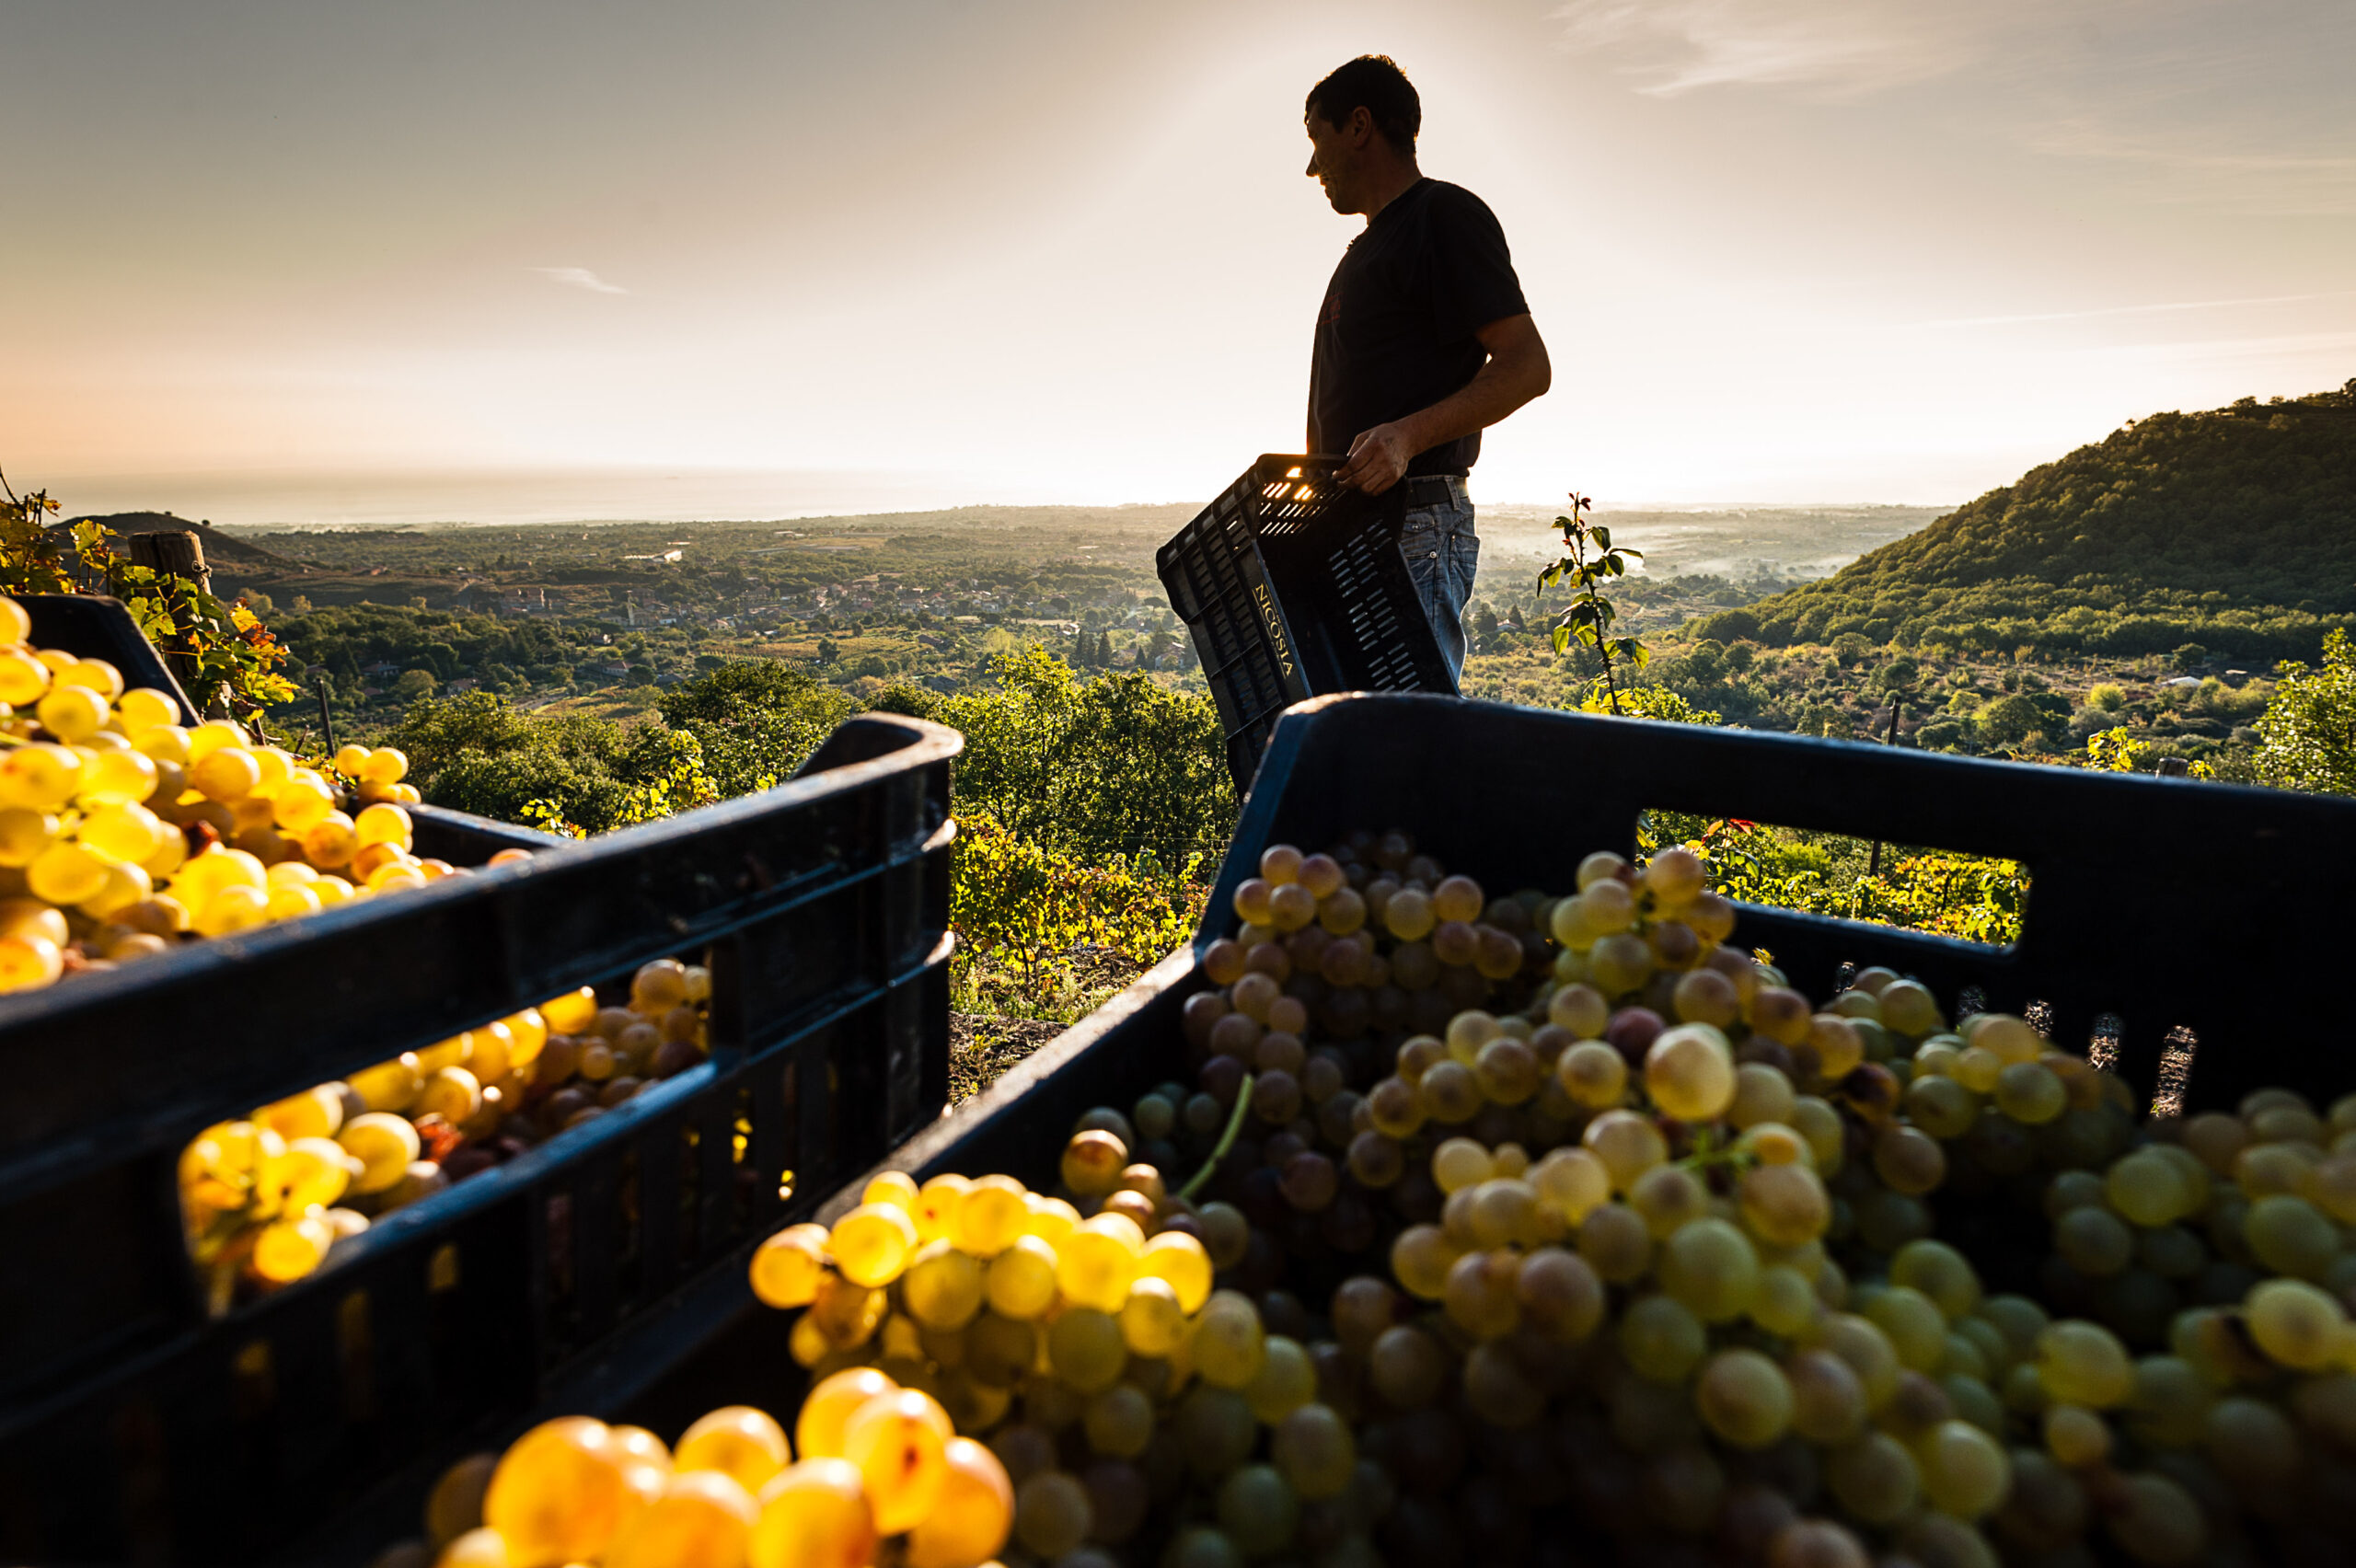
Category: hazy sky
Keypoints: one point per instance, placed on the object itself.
(1781, 250)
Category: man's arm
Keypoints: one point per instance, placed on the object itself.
(1517, 371)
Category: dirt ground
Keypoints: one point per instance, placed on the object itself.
(981, 1047)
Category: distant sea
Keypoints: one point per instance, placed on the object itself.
(508, 497)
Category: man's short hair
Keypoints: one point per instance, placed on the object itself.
(1374, 82)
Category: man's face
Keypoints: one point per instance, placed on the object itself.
(1332, 162)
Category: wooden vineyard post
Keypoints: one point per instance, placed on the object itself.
(177, 552)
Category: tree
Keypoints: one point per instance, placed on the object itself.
(2309, 729)
(2190, 657)
(414, 686)
(2009, 721)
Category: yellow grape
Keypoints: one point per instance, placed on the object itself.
(814, 1514)
(943, 1287)
(873, 1244)
(1098, 1261)
(384, 1143)
(116, 779)
(936, 1203)
(290, 1249)
(989, 1215)
(1021, 1282)
(1229, 1341)
(1286, 1381)
(970, 1519)
(787, 1267)
(1153, 1323)
(1180, 1259)
(71, 713)
(561, 1492)
(818, 1432)
(704, 1518)
(739, 1441)
(66, 873)
(898, 1440)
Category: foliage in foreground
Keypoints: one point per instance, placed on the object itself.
(2309, 729)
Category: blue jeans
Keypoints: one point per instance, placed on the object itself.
(1442, 553)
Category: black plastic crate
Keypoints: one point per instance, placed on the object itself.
(92, 626)
(1294, 586)
(133, 1428)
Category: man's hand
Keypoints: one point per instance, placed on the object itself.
(1379, 459)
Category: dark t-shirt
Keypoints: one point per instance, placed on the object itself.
(1396, 333)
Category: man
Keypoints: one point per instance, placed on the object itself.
(1424, 339)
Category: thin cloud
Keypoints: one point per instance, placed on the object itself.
(2129, 310)
(580, 278)
(1678, 46)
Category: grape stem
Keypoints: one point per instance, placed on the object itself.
(1226, 1140)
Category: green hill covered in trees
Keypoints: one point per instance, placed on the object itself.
(2233, 529)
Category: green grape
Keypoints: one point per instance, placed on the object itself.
(1561, 1296)
(1908, 1161)
(1449, 1093)
(1974, 1401)
(1313, 1448)
(2294, 1323)
(1860, 1342)
(1363, 1307)
(2148, 1189)
(943, 1288)
(1996, 1352)
(1828, 1135)
(2171, 1251)
(2083, 1364)
(2250, 1442)
(1459, 1164)
(1406, 1367)
(1977, 1069)
(1647, 1417)
(2154, 1520)
(1689, 1073)
(1215, 1429)
(1709, 1268)
(1229, 1340)
(1483, 1296)
(1118, 1422)
(1498, 1391)
(1578, 1007)
(1615, 1244)
(1504, 1213)
(1052, 1513)
(1000, 1350)
(1784, 1303)
(1744, 1398)
(1627, 1143)
(2169, 1404)
(2018, 1318)
(1917, 1329)
(1421, 1259)
(2094, 1241)
(1084, 1348)
(2291, 1236)
(1571, 1181)
(1258, 1510)
(1963, 1357)
(1785, 1205)
(1939, 1272)
(1875, 1478)
(1940, 1106)
(1661, 1339)
(1816, 1543)
(1667, 1197)
(1964, 1470)
(1286, 1381)
(1760, 1096)
(1395, 1109)
(1887, 1220)
(2030, 1093)
(1200, 1546)
(1827, 1400)
(1593, 1075)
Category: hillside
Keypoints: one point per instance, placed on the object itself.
(221, 549)
(2233, 528)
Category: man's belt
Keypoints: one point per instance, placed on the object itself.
(1431, 490)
